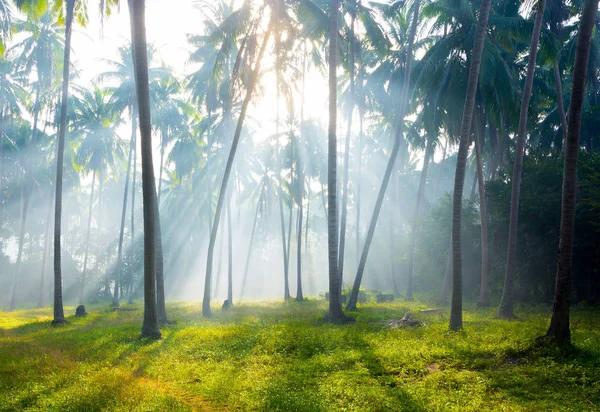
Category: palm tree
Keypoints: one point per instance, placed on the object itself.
(461, 161)
(399, 131)
(137, 10)
(253, 79)
(335, 307)
(59, 315)
(95, 118)
(559, 329)
(506, 304)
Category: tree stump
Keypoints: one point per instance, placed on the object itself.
(80, 312)
(226, 305)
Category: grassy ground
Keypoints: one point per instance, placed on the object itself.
(275, 356)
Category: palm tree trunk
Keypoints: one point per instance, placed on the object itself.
(484, 293)
(559, 325)
(447, 283)
(299, 294)
(247, 265)
(388, 171)
(24, 208)
(392, 254)
(123, 217)
(229, 255)
(150, 326)
(206, 312)
(347, 153)
(307, 220)
(335, 307)
(559, 100)
(461, 162)
(413, 231)
(42, 298)
(359, 174)
(219, 261)
(160, 269)
(286, 287)
(87, 241)
(133, 179)
(506, 304)
(59, 315)
(162, 164)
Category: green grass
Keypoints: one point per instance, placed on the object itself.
(275, 356)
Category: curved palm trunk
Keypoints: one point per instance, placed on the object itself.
(559, 325)
(461, 163)
(506, 304)
(206, 312)
(25, 205)
(394, 154)
(150, 326)
(87, 241)
(484, 292)
(347, 156)
(413, 229)
(59, 315)
(122, 228)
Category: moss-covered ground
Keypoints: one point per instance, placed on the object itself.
(276, 356)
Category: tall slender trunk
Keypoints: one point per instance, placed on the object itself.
(160, 270)
(162, 164)
(335, 307)
(59, 315)
(25, 193)
(484, 293)
(506, 304)
(347, 152)
(123, 218)
(559, 329)
(150, 326)
(474, 184)
(87, 241)
(361, 114)
(206, 312)
(413, 229)
(392, 253)
(447, 283)
(461, 162)
(219, 261)
(247, 265)
(229, 254)
(559, 100)
(399, 133)
(133, 179)
(99, 221)
(42, 298)
(307, 220)
(286, 287)
(299, 294)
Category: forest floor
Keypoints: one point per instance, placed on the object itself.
(276, 356)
